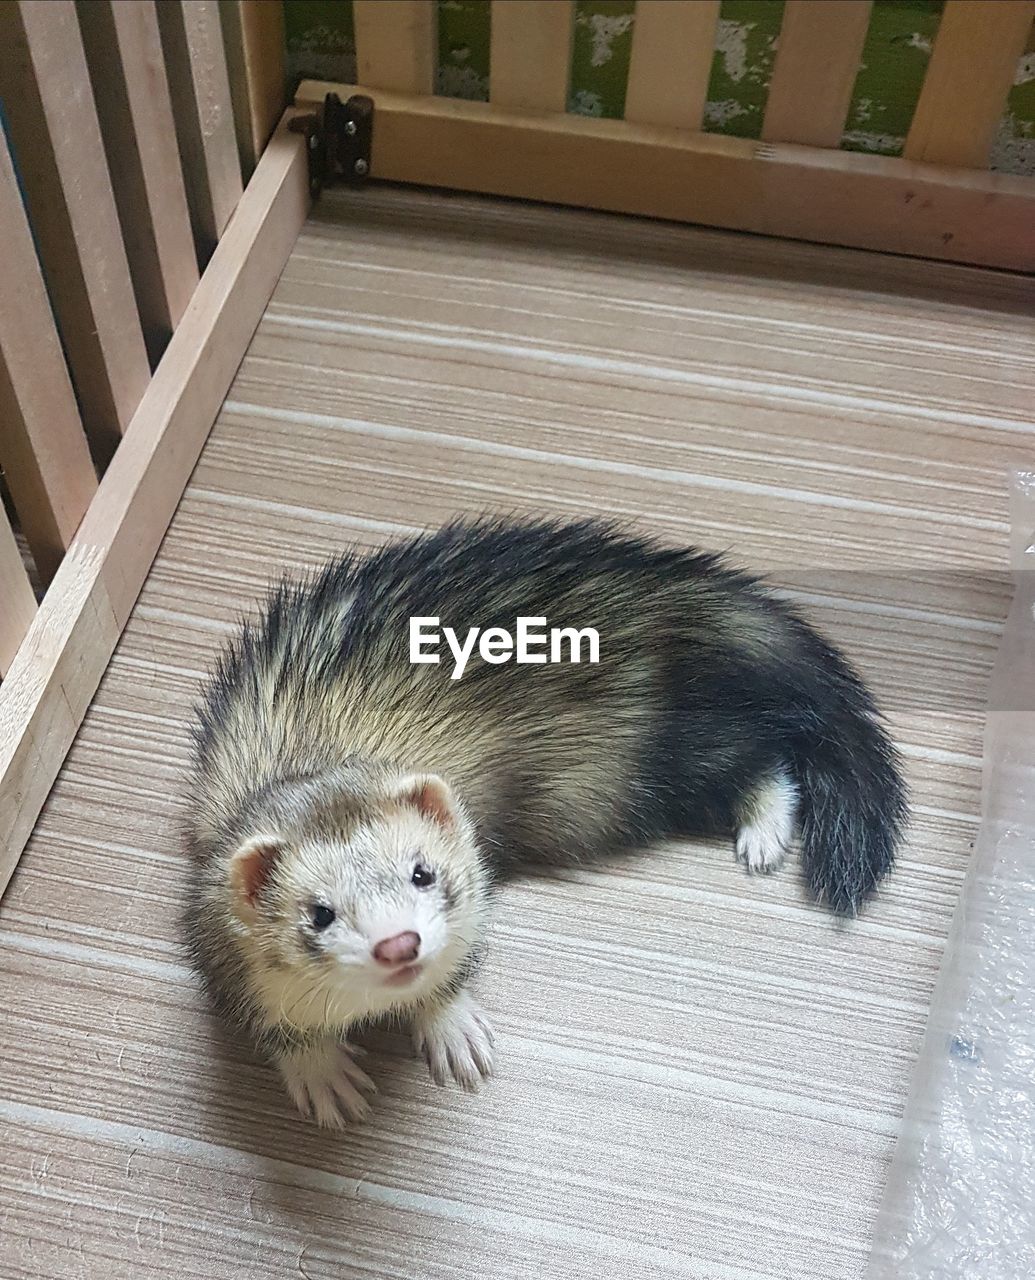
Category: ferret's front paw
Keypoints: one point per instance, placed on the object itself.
(455, 1041)
(326, 1084)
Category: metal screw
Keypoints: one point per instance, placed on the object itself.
(360, 168)
(350, 128)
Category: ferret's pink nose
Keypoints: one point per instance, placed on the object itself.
(402, 949)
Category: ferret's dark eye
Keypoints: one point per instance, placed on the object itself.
(422, 876)
(322, 915)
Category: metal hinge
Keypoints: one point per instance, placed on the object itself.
(338, 139)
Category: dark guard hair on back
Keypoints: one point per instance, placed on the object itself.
(707, 686)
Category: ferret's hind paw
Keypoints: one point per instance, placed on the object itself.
(760, 849)
(765, 836)
(326, 1085)
(456, 1042)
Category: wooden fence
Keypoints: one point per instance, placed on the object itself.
(938, 200)
(135, 268)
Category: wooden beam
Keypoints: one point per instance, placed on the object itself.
(530, 54)
(672, 50)
(63, 656)
(43, 450)
(19, 599)
(395, 44)
(56, 139)
(817, 61)
(124, 50)
(253, 33)
(192, 38)
(972, 67)
(834, 197)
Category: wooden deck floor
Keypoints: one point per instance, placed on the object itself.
(701, 1074)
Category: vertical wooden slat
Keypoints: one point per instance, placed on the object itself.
(671, 64)
(968, 78)
(817, 61)
(530, 54)
(17, 599)
(124, 51)
(42, 447)
(192, 38)
(395, 44)
(253, 33)
(57, 145)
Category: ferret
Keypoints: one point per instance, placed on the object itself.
(351, 809)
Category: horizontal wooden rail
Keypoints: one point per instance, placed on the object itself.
(43, 450)
(56, 139)
(836, 197)
(817, 61)
(972, 67)
(62, 658)
(672, 49)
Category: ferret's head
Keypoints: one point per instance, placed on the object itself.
(356, 897)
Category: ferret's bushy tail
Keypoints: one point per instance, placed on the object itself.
(852, 799)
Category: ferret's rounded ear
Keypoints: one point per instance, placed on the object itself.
(429, 795)
(251, 866)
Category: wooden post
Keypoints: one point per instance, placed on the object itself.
(192, 38)
(59, 663)
(395, 44)
(817, 62)
(58, 149)
(972, 67)
(124, 50)
(42, 447)
(672, 50)
(530, 54)
(253, 33)
(17, 599)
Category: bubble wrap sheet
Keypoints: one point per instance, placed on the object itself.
(960, 1200)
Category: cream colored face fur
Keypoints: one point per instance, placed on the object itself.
(312, 977)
